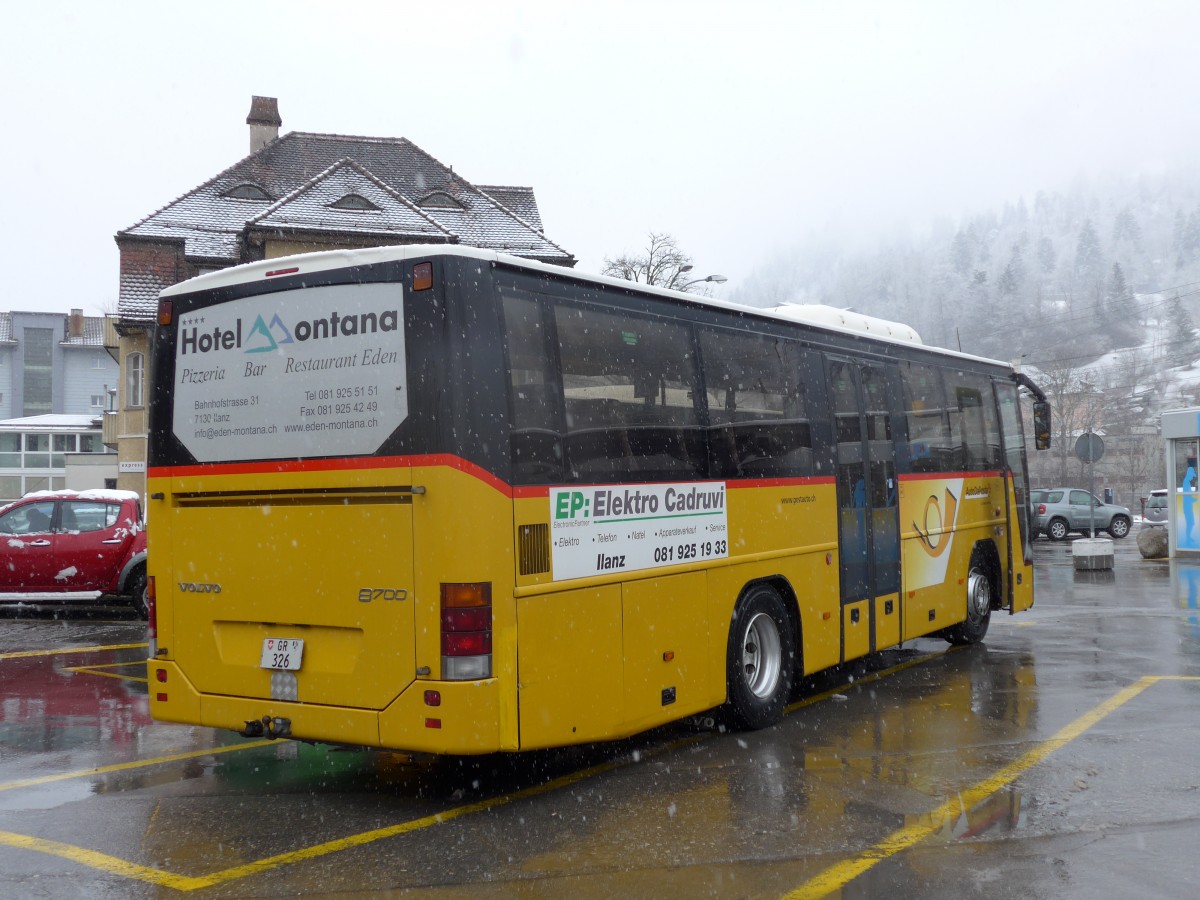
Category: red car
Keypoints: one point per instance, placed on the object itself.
(73, 545)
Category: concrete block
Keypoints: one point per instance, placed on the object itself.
(1092, 554)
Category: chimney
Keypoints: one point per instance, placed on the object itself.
(264, 122)
(75, 324)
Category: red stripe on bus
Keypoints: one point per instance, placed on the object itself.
(779, 482)
(355, 463)
(947, 476)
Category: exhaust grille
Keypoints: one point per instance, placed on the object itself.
(533, 549)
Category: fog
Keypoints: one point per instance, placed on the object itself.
(743, 130)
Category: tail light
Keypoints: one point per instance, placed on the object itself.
(466, 631)
(151, 617)
(1041, 509)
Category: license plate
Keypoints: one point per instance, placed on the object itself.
(282, 653)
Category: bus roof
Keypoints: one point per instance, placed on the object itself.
(819, 316)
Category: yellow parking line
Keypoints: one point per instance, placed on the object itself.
(112, 665)
(840, 875)
(22, 654)
(832, 879)
(95, 670)
(100, 861)
(114, 865)
(162, 878)
(139, 764)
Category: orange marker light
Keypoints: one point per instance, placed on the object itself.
(422, 276)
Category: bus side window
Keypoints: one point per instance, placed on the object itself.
(629, 385)
(535, 441)
(757, 404)
(974, 422)
(929, 448)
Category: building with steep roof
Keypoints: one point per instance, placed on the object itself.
(297, 193)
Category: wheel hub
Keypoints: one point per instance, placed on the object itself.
(762, 655)
(979, 595)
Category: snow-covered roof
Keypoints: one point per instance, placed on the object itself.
(110, 495)
(846, 320)
(50, 422)
(312, 207)
(821, 316)
(91, 494)
(93, 334)
(297, 177)
(93, 331)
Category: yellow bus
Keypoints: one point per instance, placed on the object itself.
(444, 500)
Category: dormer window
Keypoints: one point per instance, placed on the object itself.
(247, 191)
(439, 200)
(354, 202)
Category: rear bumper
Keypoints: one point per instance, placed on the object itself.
(465, 721)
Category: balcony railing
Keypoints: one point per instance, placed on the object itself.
(112, 421)
(112, 340)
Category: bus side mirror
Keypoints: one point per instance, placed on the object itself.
(1041, 424)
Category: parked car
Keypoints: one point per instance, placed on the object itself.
(1059, 511)
(73, 545)
(1155, 512)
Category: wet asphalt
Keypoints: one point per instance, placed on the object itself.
(1061, 758)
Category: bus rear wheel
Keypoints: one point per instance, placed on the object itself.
(761, 659)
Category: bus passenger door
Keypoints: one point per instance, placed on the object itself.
(868, 514)
(1019, 581)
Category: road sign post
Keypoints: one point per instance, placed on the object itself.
(1094, 553)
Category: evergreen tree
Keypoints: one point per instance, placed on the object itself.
(1183, 342)
(1013, 276)
(1178, 240)
(1047, 258)
(1089, 265)
(1087, 250)
(1126, 228)
(1117, 297)
(1006, 284)
(962, 254)
(1191, 237)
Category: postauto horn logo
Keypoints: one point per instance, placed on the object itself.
(263, 338)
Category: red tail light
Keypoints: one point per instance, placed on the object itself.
(466, 631)
(1041, 509)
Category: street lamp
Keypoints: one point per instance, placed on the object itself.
(715, 279)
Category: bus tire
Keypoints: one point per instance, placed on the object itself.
(981, 591)
(761, 659)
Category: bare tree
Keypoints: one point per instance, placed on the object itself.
(661, 264)
(1077, 405)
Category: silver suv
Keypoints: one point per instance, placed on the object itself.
(1156, 508)
(1059, 511)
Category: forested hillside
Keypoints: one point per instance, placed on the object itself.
(1095, 289)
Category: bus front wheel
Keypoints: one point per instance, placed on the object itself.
(980, 591)
(762, 651)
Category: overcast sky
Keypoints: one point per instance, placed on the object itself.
(741, 128)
